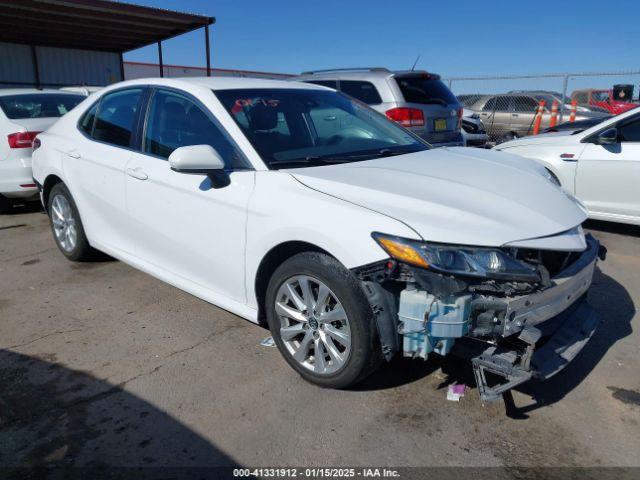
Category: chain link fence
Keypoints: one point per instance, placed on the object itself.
(507, 104)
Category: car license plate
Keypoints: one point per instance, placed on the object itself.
(440, 124)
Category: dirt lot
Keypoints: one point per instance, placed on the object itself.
(103, 365)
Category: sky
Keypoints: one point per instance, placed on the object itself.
(453, 38)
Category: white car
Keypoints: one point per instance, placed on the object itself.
(352, 245)
(600, 165)
(23, 114)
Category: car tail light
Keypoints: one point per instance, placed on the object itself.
(21, 139)
(407, 117)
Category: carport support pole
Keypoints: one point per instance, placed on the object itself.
(36, 70)
(160, 59)
(207, 49)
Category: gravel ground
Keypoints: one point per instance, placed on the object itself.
(103, 365)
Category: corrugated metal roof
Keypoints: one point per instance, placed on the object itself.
(92, 24)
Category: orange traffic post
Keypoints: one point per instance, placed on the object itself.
(554, 114)
(574, 108)
(538, 120)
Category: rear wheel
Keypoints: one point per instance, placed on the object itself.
(66, 225)
(321, 321)
(5, 204)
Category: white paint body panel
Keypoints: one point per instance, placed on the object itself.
(210, 241)
(605, 178)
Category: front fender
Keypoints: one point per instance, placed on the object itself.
(282, 210)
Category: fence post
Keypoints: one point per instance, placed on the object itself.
(565, 83)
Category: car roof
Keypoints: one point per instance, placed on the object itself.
(360, 73)
(22, 91)
(218, 83)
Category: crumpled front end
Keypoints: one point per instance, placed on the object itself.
(515, 330)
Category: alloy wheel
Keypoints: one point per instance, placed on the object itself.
(313, 324)
(64, 223)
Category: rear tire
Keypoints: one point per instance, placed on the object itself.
(66, 225)
(5, 205)
(321, 321)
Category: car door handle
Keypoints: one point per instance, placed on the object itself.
(514, 114)
(137, 173)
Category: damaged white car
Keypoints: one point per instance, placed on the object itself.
(293, 205)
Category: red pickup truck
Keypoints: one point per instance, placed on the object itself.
(604, 99)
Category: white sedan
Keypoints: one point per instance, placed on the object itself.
(600, 165)
(352, 245)
(24, 113)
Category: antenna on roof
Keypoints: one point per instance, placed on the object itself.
(415, 63)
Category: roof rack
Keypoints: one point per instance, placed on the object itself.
(360, 69)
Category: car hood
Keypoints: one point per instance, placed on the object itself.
(551, 138)
(459, 195)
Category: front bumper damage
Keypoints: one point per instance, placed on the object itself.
(513, 337)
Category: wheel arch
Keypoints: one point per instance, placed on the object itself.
(271, 261)
(49, 183)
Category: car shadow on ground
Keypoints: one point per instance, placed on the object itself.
(72, 424)
(610, 299)
(611, 227)
(616, 309)
(27, 207)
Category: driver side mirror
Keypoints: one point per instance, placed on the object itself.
(201, 159)
(607, 137)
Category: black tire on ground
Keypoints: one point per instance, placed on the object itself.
(365, 355)
(5, 205)
(82, 251)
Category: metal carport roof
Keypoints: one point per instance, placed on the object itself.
(92, 24)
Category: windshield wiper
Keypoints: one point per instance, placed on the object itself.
(329, 159)
(310, 160)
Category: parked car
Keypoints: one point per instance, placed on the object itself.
(473, 131)
(602, 98)
(352, 243)
(23, 114)
(512, 115)
(576, 126)
(600, 165)
(416, 100)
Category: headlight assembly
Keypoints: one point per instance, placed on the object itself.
(457, 259)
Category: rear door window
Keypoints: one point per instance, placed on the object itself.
(363, 91)
(116, 117)
(425, 90)
(523, 104)
(38, 105)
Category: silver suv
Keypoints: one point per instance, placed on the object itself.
(417, 100)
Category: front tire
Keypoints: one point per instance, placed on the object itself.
(321, 321)
(66, 225)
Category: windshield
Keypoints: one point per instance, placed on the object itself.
(38, 105)
(299, 127)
